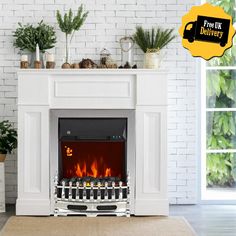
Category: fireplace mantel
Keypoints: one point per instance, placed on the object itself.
(144, 91)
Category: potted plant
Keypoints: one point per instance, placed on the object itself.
(8, 139)
(69, 25)
(26, 37)
(151, 42)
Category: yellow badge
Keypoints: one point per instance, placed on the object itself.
(207, 31)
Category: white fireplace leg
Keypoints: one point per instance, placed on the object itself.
(151, 161)
(33, 161)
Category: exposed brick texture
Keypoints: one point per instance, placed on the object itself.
(108, 20)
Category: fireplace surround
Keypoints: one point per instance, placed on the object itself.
(127, 114)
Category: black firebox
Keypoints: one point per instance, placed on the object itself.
(93, 149)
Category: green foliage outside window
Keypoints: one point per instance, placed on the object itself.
(221, 126)
(229, 58)
(219, 169)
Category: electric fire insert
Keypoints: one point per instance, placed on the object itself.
(92, 177)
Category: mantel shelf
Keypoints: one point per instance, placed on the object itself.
(90, 71)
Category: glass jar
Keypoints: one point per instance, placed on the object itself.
(105, 56)
(127, 56)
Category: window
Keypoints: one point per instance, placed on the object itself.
(218, 163)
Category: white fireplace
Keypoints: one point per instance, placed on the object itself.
(138, 95)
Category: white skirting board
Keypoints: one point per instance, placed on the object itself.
(2, 187)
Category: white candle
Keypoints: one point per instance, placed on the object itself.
(50, 57)
(37, 53)
(24, 57)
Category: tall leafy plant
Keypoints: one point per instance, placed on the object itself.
(69, 24)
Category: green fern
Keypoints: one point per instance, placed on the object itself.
(153, 39)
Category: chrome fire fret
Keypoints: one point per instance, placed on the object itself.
(92, 199)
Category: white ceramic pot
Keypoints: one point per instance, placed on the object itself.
(152, 60)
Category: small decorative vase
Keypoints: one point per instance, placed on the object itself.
(67, 58)
(152, 59)
(2, 157)
(42, 59)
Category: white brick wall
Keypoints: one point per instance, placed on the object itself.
(109, 20)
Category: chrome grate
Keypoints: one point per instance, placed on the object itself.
(91, 198)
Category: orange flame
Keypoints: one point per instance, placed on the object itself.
(108, 172)
(95, 171)
(81, 172)
(94, 168)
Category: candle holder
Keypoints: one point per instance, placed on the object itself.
(24, 64)
(50, 64)
(50, 61)
(37, 64)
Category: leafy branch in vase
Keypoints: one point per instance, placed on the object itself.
(69, 24)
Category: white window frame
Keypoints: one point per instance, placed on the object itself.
(214, 197)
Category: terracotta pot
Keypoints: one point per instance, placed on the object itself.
(2, 157)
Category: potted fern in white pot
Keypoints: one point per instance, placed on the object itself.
(151, 42)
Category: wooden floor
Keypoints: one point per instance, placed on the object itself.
(10, 211)
(207, 220)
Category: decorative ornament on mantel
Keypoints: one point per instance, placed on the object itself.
(126, 46)
(69, 25)
(75, 66)
(8, 139)
(87, 64)
(106, 60)
(37, 62)
(151, 42)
